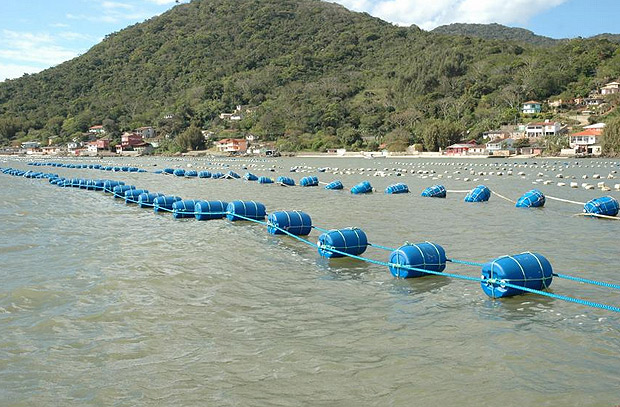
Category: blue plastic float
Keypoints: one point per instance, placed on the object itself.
(363, 187)
(311, 181)
(183, 208)
(207, 210)
(295, 222)
(530, 270)
(426, 256)
(479, 194)
(606, 206)
(286, 181)
(334, 185)
(436, 191)
(351, 241)
(164, 203)
(531, 199)
(399, 188)
(238, 210)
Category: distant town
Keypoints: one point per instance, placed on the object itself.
(526, 139)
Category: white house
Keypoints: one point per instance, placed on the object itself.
(540, 129)
(98, 129)
(145, 132)
(531, 107)
(610, 88)
(495, 146)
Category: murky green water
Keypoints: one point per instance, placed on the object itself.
(107, 304)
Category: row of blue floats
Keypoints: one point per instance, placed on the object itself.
(87, 166)
(501, 277)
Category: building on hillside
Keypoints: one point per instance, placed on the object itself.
(30, 144)
(145, 132)
(495, 135)
(531, 107)
(587, 141)
(610, 88)
(51, 150)
(131, 139)
(97, 129)
(593, 101)
(541, 129)
(495, 146)
(230, 145)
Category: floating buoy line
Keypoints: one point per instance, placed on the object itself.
(502, 277)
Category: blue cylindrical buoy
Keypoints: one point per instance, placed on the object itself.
(294, 222)
(169, 171)
(238, 210)
(132, 195)
(531, 199)
(435, 191)
(334, 185)
(363, 187)
(145, 200)
(530, 270)
(119, 190)
(164, 203)
(351, 241)
(286, 181)
(606, 205)
(179, 172)
(232, 174)
(399, 188)
(204, 174)
(206, 210)
(265, 180)
(217, 175)
(183, 208)
(311, 181)
(479, 194)
(425, 256)
(191, 173)
(250, 177)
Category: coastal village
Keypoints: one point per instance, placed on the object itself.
(531, 138)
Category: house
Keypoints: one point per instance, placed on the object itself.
(31, 144)
(465, 149)
(532, 150)
(145, 132)
(97, 129)
(73, 147)
(91, 148)
(144, 148)
(593, 101)
(610, 88)
(501, 145)
(230, 145)
(531, 107)
(588, 140)
(495, 135)
(51, 150)
(540, 129)
(131, 139)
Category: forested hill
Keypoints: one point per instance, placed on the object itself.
(316, 75)
(496, 31)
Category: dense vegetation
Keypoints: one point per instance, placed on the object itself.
(315, 74)
(496, 32)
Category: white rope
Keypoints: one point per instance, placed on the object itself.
(598, 216)
(564, 200)
(503, 197)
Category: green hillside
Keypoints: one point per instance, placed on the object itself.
(317, 76)
(496, 32)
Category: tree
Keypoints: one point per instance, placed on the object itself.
(610, 141)
(191, 139)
